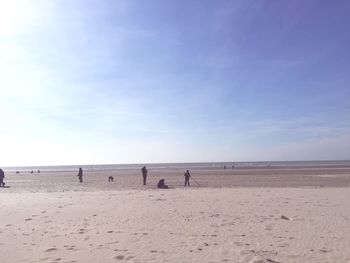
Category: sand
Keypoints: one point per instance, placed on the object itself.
(227, 216)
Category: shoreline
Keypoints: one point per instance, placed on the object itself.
(132, 179)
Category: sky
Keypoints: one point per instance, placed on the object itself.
(132, 81)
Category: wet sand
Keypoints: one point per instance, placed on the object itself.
(327, 176)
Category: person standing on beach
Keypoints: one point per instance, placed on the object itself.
(144, 174)
(187, 178)
(80, 175)
(2, 176)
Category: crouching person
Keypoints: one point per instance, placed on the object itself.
(162, 185)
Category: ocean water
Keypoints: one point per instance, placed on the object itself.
(184, 166)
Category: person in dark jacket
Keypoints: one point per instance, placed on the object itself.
(2, 176)
(144, 174)
(187, 178)
(80, 175)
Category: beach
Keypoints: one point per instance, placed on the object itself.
(174, 131)
(283, 214)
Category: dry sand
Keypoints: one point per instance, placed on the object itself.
(284, 215)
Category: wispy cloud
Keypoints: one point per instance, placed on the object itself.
(129, 81)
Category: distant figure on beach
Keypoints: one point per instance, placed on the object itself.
(110, 179)
(2, 176)
(144, 174)
(162, 185)
(38, 171)
(80, 175)
(31, 171)
(187, 178)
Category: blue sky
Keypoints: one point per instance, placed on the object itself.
(85, 82)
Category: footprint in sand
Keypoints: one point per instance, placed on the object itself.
(69, 247)
(50, 249)
(28, 219)
(115, 242)
(120, 257)
(266, 253)
(247, 252)
(269, 227)
(238, 243)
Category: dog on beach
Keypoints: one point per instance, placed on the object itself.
(110, 179)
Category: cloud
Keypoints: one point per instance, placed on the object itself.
(122, 81)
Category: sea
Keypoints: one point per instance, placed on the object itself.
(184, 166)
